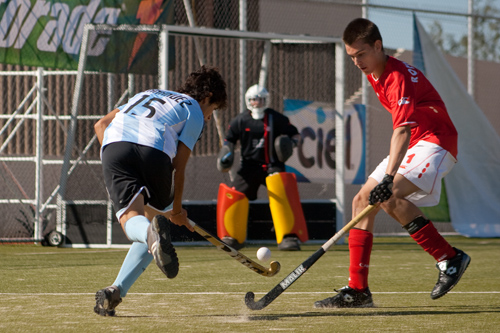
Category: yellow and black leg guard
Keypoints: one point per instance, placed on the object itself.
(286, 209)
(232, 213)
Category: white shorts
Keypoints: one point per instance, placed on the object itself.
(425, 165)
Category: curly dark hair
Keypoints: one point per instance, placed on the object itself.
(201, 83)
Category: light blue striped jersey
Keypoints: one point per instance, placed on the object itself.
(159, 119)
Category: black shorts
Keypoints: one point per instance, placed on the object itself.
(130, 169)
(249, 178)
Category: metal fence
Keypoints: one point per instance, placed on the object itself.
(36, 104)
(314, 79)
(28, 155)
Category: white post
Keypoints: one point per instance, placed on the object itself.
(39, 156)
(364, 101)
(111, 106)
(111, 91)
(163, 59)
(470, 50)
(202, 60)
(109, 224)
(243, 55)
(190, 17)
(264, 64)
(75, 103)
(77, 91)
(131, 85)
(339, 134)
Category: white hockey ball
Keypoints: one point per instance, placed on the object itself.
(263, 254)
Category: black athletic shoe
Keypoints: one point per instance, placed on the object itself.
(161, 247)
(289, 243)
(233, 243)
(347, 298)
(450, 272)
(106, 300)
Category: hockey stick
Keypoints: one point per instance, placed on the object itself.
(302, 268)
(259, 269)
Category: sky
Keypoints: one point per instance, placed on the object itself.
(396, 27)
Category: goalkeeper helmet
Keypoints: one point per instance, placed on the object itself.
(257, 100)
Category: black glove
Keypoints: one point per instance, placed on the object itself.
(382, 191)
(225, 158)
(283, 145)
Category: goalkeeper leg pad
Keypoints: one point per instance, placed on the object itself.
(232, 214)
(286, 209)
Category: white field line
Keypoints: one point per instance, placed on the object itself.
(243, 293)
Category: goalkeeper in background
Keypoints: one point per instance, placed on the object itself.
(423, 150)
(267, 139)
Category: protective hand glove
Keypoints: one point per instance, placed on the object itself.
(382, 191)
(225, 159)
(283, 145)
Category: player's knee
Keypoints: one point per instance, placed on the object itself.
(390, 204)
(360, 201)
(123, 219)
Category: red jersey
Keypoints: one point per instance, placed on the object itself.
(412, 100)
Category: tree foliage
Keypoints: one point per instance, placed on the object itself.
(486, 34)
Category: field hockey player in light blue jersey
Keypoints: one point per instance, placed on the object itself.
(146, 144)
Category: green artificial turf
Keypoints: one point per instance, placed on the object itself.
(44, 289)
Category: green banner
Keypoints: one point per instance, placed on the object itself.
(48, 33)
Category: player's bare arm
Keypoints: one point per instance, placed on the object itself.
(103, 123)
(399, 145)
(179, 215)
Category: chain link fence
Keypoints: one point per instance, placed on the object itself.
(31, 173)
(298, 69)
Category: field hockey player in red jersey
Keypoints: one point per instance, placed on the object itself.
(423, 150)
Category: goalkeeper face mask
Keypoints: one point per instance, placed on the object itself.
(257, 100)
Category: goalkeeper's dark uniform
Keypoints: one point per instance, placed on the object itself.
(258, 155)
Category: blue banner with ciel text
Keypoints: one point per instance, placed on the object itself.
(314, 158)
(355, 144)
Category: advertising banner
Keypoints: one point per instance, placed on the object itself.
(355, 144)
(48, 33)
(314, 159)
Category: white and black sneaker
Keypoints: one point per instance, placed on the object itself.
(106, 300)
(450, 272)
(161, 247)
(347, 297)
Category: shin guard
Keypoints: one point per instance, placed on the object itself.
(232, 213)
(286, 209)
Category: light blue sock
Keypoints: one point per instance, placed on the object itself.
(136, 261)
(137, 229)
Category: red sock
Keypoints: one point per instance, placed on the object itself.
(360, 249)
(433, 243)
